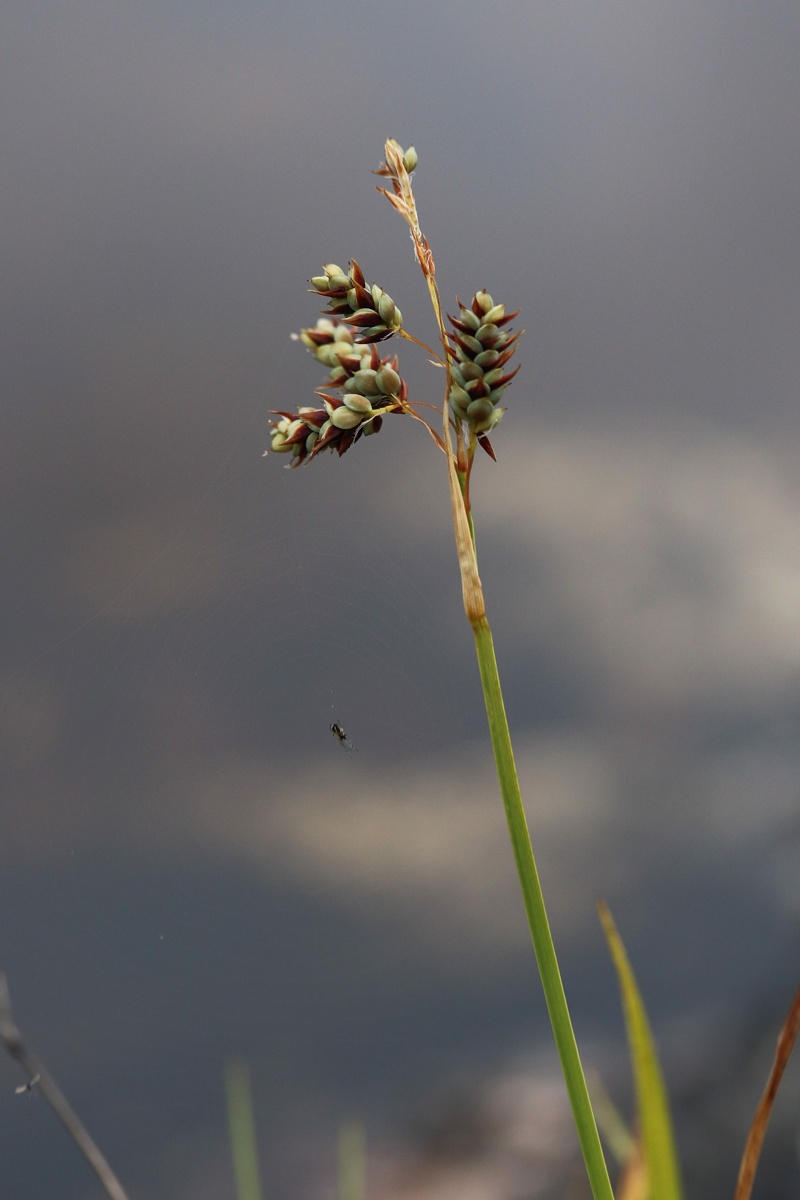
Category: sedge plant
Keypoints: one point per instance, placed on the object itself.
(363, 388)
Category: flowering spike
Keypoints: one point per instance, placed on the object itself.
(362, 387)
(479, 349)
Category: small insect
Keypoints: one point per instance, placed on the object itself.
(338, 731)
(29, 1086)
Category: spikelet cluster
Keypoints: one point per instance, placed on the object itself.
(371, 312)
(362, 387)
(480, 348)
(369, 387)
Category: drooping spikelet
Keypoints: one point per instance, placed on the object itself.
(371, 312)
(370, 387)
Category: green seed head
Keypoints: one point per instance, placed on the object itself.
(388, 380)
(358, 404)
(345, 418)
(410, 159)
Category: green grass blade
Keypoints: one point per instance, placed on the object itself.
(658, 1142)
(242, 1130)
(352, 1161)
(563, 1033)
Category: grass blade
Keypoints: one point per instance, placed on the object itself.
(658, 1143)
(242, 1130)
(352, 1161)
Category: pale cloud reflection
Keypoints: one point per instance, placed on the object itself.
(429, 845)
(673, 564)
(433, 838)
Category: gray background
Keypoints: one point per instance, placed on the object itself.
(191, 866)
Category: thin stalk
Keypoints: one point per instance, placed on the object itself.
(537, 917)
(533, 898)
(42, 1080)
(435, 358)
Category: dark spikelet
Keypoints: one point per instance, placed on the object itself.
(480, 347)
(371, 311)
(369, 387)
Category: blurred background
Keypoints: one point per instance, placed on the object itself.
(191, 866)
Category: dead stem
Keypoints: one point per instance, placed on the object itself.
(35, 1070)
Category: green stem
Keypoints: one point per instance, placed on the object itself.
(532, 892)
(537, 917)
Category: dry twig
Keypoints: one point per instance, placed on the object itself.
(755, 1140)
(38, 1077)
